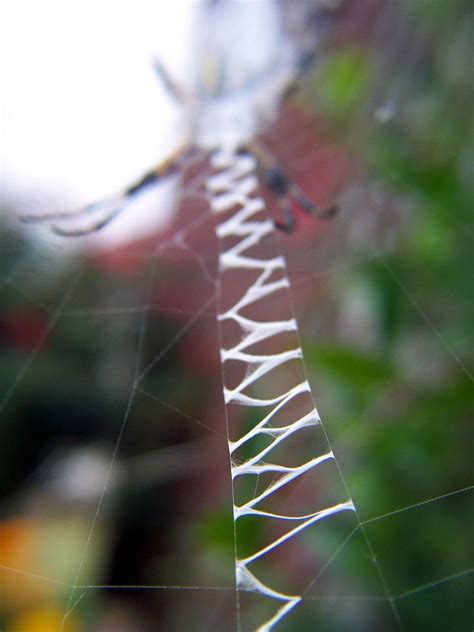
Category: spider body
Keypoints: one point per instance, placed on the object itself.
(244, 65)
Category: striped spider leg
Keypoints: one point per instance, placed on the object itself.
(111, 207)
(275, 180)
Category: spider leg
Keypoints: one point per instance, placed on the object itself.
(171, 86)
(288, 223)
(278, 183)
(79, 232)
(310, 207)
(114, 206)
(65, 215)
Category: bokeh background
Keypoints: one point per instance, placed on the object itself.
(114, 475)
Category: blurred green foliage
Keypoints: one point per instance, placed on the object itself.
(405, 404)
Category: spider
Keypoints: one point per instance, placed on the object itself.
(245, 66)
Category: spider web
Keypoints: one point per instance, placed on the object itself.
(116, 447)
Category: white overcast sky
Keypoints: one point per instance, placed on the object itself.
(82, 112)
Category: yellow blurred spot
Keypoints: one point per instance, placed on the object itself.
(19, 539)
(39, 555)
(210, 74)
(46, 618)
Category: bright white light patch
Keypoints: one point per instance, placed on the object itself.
(83, 112)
